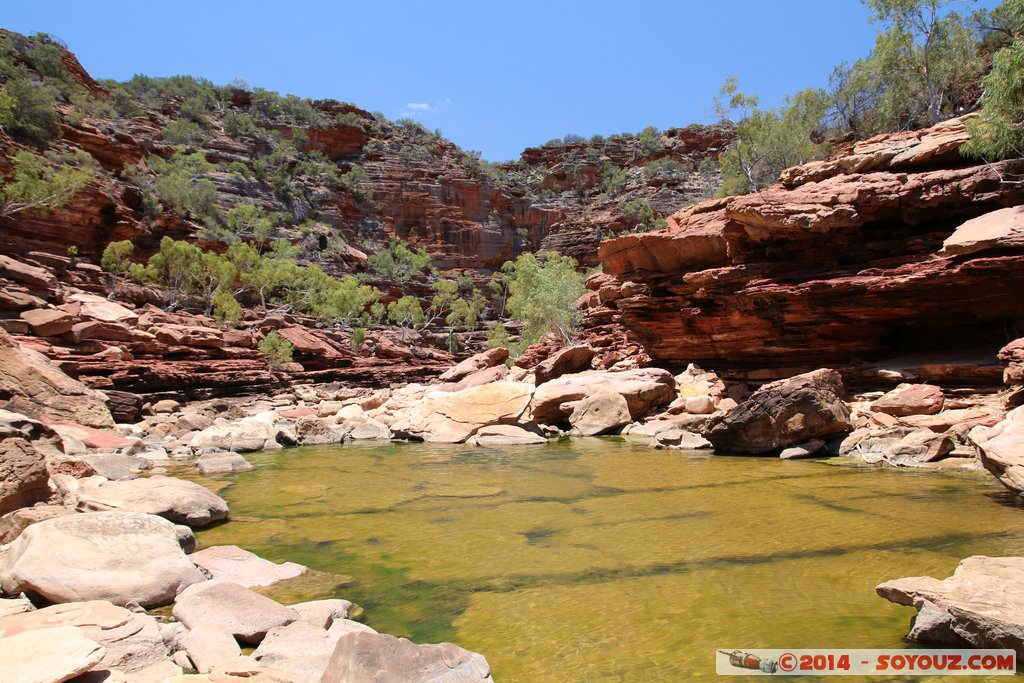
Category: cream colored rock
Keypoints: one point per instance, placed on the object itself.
(132, 641)
(999, 229)
(454, 417)
(178, 500)
(506, 435)
(301, 649)
(248, 434)
(208, 645)
(49, 655)
(231, 563)
(123, 557)
(366, 656)
(239, 611)
(643, 390)
(1002, 449)
(599, 414)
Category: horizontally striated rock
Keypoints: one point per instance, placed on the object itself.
(178, 500)
(47, 656)
(600, 413)
(1002, 449)
(840, 266)
(454, 417)
(123, 557)
(23, 475)
(911, 399)
(36, 387)
(231, 563)
(369, 656)
(236, 609)
(643, 389)
(980, 605)
(781, 414)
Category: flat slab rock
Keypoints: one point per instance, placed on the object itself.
(32, 657)
(981, 605)
(234, 608)
(231, 563)
(178, 500)
(131, 641)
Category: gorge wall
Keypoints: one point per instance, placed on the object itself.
(868, 261)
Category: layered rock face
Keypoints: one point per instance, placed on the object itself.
(881, 257)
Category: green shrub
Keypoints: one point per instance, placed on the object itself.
(278, 350)
(35, 184)
(357, 339)
(32, 113)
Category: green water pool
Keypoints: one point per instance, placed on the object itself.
(604, 559)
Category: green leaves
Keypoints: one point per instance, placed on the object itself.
(543, 296)
(998, 132)
(36, 184)
(399, 262)
(278, 350)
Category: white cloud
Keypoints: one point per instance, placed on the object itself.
(419, 108)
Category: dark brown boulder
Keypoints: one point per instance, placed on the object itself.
(783, 413)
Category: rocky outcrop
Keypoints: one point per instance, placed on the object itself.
(783, 413)
(979, 606)
(31, 384)
(841, 264)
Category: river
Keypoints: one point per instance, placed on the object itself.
(606, 560)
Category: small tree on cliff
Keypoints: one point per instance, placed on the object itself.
(115, 261)
(543, 296)
(406, 313)
(278, 350)
(35, 184)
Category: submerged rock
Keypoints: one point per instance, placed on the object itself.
(783, 413)
(231, 563)
(981, 605)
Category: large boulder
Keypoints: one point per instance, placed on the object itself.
(36, 387)
(47, 656)
(23, 475)
(181, 501)
(567, 361)
(123, 557)
(364, 656)
(300, 648)
(236, 609)
(981, 605)
(643, 389)
(454, 417)
(911, 399)
(783, 413)
(599, 414)
(1002, 449)
(1012, 355)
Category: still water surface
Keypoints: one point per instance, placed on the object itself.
(605, 560)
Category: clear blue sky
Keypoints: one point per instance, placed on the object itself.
(493, 76)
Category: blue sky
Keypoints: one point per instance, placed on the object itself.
(493, 76)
